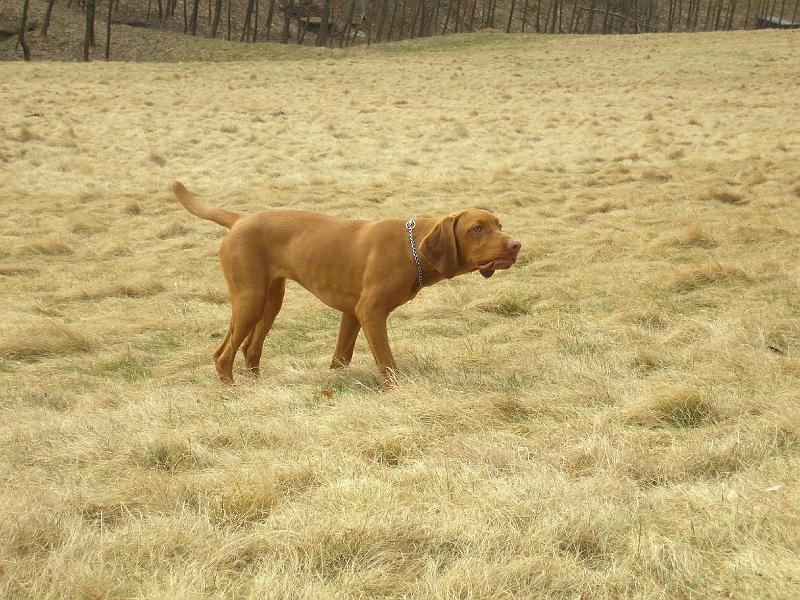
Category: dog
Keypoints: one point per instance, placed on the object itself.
(365, 269)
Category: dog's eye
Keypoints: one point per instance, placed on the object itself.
(477, 229)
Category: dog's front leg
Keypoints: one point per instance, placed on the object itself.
(372, 317)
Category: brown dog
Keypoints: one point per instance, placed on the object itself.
(365, 269)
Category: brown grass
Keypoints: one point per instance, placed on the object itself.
(48, 338)
(616, 416)
(708, 275)
(49, 247)
(682, 407)
(725, 196)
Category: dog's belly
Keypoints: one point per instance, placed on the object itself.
(335, 296)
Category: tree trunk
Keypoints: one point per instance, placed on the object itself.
(247, 16)
(590, 18)
(193, 20)
(287, 10)
(87, 34)
(322, 35)
(255, 23)
(510, 15)
(228, 22)
(538, 7)
(422, 20)
(379, 34)
(472, 15)
(447, 16)
(402, 22)
(23, 27)
(46, 24)
(391, 22)
(185, 20)
(708, 15)
(414, 18)
(92, 7)
(370, 17)
(108, 29)
(270, 15)
(780, 14)
(302, 28)
(524, 16)
(573, 23)
(348, 22)
(217, 15)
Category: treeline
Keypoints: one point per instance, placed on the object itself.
(346, 22)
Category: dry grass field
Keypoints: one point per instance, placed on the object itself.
(617, 416)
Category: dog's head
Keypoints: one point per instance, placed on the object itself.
(468, 241)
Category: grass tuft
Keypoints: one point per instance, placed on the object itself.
(48, 338)
(508, 305)
(50, 247)
(129, 367)
(172, 230)
(170, 454)
(724, 196)
(681, 407)
(708, 275)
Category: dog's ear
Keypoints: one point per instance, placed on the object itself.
(440, 246)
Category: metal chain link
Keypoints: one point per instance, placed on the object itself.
(410, 224)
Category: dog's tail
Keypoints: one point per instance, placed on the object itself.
(224, 217)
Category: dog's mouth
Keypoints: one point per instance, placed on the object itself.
(488, 269)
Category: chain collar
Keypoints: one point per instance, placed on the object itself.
(410, 224)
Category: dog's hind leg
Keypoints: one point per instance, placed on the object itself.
(348, 333)
(254, 344)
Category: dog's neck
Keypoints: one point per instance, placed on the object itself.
(430, 275)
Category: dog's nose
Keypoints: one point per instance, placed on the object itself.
(514, 246)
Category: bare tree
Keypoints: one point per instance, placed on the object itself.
(23, 27)
(193, 20)
(391, 22)
(287, 11)
(510, 15)
(46, 24)
(348, 21)
(447, 16)
(255, 22)
(88, 36)
(92, 7)
(370, 17)
(325, 18)
(247, 16)
(402, 21)
(472, 15)
(217, 14)
(108, 29)
(525, 16)
(384, 10)
(270, 14)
